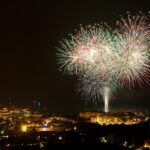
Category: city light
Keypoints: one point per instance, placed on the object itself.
(24, 128)
(60, 138)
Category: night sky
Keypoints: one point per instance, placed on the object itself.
(29, 34)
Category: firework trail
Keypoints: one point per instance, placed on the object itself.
(106, 98)
(104, 59)
(93, 88)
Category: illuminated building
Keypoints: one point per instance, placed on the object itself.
(112, 118)
(24, 128)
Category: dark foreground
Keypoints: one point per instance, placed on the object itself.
(85, 134)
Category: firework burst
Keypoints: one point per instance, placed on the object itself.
(133, 47)
(89, 47)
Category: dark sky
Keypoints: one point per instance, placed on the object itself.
(29, 33)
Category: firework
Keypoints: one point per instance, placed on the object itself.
(95, 88)
(132, 64)
(90, 52)
(89, 47)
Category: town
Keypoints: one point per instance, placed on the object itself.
(22, 128)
